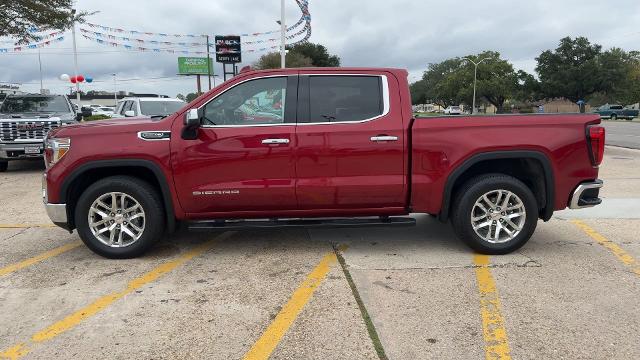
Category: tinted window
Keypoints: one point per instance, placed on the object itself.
(344, 98)
(163, 108)
(616, 107)
(51, 104)
(254, 102)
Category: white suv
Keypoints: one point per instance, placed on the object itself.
(147, 106)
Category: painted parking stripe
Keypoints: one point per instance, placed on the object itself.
(265, 345)
(493, 329)
(21, 349)
(38, 258)
(26, 226)
(619, 252)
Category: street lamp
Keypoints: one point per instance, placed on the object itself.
(475, 78)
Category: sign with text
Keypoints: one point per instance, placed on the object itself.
(193, 66)
(228, 49)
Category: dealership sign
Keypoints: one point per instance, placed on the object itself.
(228, 49)
(194, 66)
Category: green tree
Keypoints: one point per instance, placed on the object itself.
(19, 18)
(272, 61)
(190, 97)
(181, 97)
(450, 82)
(573, 70)
(318, 54)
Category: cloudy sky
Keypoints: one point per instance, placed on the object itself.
(394, 33)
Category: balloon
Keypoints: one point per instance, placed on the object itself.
(79, 78)
(73, 79)
(64, 77)
(88, 79)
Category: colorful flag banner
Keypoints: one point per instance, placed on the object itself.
(31, 46)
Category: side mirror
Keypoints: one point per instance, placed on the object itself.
(129, 113)
(191, 125)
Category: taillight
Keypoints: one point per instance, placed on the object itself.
(596, 144)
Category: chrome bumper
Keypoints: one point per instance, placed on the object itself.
(57, 213)
(586, 195)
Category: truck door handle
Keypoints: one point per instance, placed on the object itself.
(275, 141)
(384, 138)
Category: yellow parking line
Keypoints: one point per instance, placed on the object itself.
(493, 329)
(38, 258)
(25, 226)
(263, 348)
(77, 317)
(622, 255)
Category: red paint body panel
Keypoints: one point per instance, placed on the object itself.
(325, 169)
(442, 144)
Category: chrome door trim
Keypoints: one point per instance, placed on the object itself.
(386, 101)
(384, 138)
(275, 141)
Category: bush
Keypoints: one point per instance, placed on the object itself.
(96, 117)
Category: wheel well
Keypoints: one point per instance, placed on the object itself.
(532, 171)
(80, 183)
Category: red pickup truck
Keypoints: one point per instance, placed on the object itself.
(317, 147)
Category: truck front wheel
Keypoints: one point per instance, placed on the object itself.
(495, 213)
(614, 117)
(119, 217)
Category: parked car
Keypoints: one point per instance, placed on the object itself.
(614, 112)
(25, 121)
(147, 106)
(342, 149)
(104, 110)
(453, 110)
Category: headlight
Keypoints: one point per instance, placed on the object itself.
(55, 149)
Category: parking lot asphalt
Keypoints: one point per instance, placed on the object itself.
(400, 293)
(623, 133)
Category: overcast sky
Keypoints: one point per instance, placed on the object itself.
(398, 33)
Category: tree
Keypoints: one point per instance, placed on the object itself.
(318, 54)
(450, 82)
(572, 70)
(18, 19)
(272, 61)
(190, 97)
(181, 97)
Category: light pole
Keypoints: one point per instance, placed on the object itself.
(283, 34)
(115, 90)
(75, 55)
(475, 78)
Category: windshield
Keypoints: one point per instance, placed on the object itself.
(164, 108)
(35, 104)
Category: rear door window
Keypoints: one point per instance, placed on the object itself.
(344, 98)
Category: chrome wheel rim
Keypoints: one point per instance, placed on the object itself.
(116, 219)
(498, 216)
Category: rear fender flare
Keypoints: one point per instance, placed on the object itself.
(547, 211)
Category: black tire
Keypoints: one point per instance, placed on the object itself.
(4, 165)
(614, 117)
(471, 191)
(142, 192)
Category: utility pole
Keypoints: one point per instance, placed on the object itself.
(40, 65)
(208, 63)
(283, 34)
(75, 55)
(115, 90)
(475, 77)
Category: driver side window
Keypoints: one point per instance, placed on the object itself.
(255, 102)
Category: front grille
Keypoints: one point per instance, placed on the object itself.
(25, 130)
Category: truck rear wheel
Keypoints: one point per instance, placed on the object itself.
(4, 165)
(495, 214)
(119, 217)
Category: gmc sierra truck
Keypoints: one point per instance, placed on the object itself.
(317, 147)
(24, 122)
